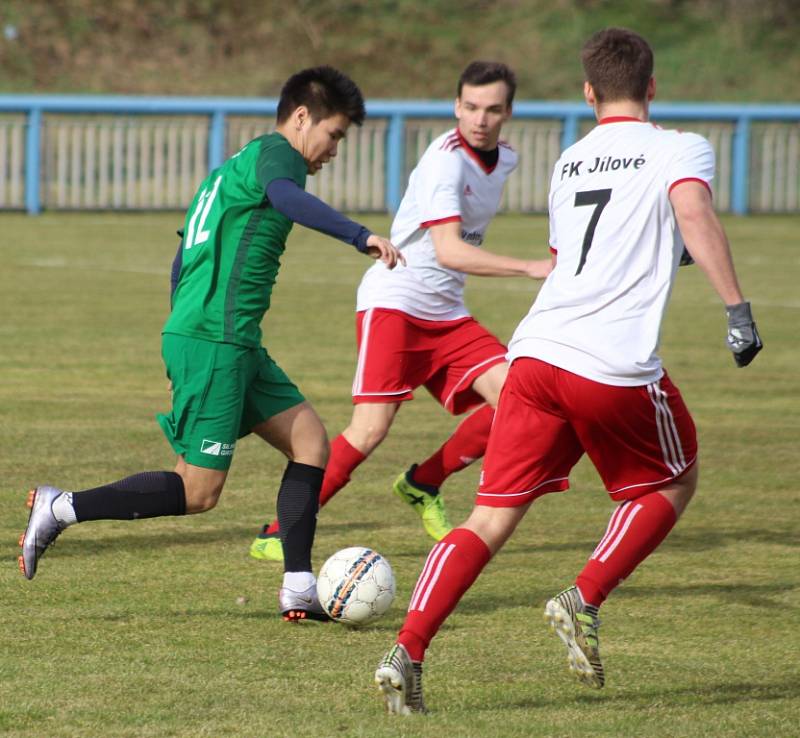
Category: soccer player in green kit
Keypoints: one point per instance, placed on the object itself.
(224, 384)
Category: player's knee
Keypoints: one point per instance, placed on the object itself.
(367, 436)
(320, 452)
(494, 525)
(681, 490)
(313, 450)
(201, 499)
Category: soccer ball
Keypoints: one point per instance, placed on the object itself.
(356, 585)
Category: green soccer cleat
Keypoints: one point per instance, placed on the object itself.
(576, 624)
(430, 507)
(400, 681)
(267, 547)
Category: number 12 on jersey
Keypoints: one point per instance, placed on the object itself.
(204, 203)
(598, 198)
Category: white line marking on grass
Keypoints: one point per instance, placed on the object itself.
(60, 263)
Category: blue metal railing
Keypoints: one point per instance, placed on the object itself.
(396, 111)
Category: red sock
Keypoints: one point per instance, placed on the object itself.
(452, 566)
(342, 463)
(466, 445)
(634, 531)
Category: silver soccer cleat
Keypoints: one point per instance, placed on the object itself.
(42, 530)
(576, 625)
(400, 680)
(299, 606)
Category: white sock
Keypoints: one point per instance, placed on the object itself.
(298, 581)
(63, 510)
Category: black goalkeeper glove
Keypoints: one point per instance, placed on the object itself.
(742, 339)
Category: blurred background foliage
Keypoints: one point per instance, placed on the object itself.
(735, 50)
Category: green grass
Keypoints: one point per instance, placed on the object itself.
(133, 629)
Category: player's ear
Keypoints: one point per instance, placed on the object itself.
(588, 94)
(651, 89)
(301, 117)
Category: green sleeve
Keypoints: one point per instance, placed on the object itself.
(278, 160)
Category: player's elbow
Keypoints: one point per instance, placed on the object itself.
(448, 258)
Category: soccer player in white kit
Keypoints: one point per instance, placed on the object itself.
(413, 328)
(584, 374)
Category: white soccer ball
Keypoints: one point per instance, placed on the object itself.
(356, 585)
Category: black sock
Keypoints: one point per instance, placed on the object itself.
(145, 495)
(298, 503)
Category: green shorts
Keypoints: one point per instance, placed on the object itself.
(219, 393)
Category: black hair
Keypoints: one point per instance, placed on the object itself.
(325, 91)
(480, 73)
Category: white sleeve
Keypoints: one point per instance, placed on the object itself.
(439, 178)
(694, 159)
(551, 209)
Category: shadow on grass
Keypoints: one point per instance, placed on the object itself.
(740, 593)
(687, 539)
(692, 695)
(135, 540)
(706, 538)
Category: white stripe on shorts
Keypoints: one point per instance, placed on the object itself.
(358, 380)
(667, 430)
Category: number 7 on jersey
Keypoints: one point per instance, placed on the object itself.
(598, 198)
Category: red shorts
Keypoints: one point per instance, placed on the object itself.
(398, 353)
(638, 438)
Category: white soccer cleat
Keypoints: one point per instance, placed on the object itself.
(400, 680)
(576, 624)
(297, 607)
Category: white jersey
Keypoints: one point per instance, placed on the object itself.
(612, 227)
(450, 183)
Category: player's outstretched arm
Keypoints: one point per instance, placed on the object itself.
(303, 208)
(454, 253)
(708, 245)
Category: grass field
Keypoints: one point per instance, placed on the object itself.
(133, 629)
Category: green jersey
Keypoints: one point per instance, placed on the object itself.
(232, 245)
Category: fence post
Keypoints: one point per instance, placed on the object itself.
(33, 137)
(395, 161)
(569, 133)
(216, 140)
(741, 167)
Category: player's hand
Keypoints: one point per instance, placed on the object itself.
(539, 268)
(382, 249)
(742, 339)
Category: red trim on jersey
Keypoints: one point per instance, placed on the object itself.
(439, 221)
(451, 142)
(690, 179)
(619, 119)
(474, 154)
(553, 251)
